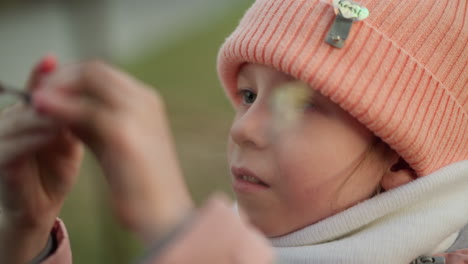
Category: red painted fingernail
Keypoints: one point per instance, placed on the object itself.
(48, 64)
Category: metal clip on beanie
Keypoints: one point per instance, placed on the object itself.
(402, 71)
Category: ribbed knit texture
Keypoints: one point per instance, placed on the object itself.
(394, 227)
(402, 72)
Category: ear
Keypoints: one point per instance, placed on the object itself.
(398, 174)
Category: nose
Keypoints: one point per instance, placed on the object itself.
(250, 127)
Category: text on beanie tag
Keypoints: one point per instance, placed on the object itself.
(347, 12)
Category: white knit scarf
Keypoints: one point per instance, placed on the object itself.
(394, 227)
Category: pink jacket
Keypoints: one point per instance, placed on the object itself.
(239, 243)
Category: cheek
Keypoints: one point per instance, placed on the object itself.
(230, 149)
(306, 188)
(307, 176)
(231, 146)
(319, 159)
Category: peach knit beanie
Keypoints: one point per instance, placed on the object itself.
(402, 71)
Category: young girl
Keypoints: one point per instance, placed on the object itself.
(374, 170)
(388, 114)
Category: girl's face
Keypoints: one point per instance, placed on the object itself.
(307, 173)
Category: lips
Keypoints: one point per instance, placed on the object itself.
(246, 181)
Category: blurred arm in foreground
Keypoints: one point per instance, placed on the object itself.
(124, 124)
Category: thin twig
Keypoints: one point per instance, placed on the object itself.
(25, 96)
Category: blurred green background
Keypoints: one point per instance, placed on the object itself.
(182, 69)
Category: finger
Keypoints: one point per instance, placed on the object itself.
(106, 82)
(45, 66)
(74, 80)
(70, 144)
(66, 152)
(94, 79)
(21, 145)
(21, 120)
(70, 109)
(65, 144)
(64, 78)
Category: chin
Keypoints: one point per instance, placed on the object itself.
(273, 225)
(267, 224)
(275, 231)
(267, 229)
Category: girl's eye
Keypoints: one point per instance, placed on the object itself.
(248, 97)
(309, 106)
